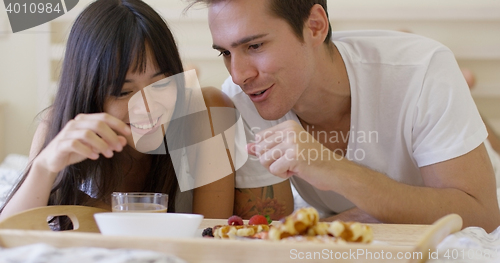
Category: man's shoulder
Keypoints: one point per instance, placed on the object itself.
(387, 47)
(373, 35)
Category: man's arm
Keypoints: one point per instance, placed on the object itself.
(464, 185)
(353, 214)
(276, 201)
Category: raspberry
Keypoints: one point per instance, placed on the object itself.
(258, 220)
(207, 232)
(235, 221)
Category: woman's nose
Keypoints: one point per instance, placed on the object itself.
(143, 102)
(138, 104)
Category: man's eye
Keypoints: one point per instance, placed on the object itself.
(255, 46)
(225, 53)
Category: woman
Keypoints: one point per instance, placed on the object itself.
(83, 149)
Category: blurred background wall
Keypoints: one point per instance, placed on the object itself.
(30, 60)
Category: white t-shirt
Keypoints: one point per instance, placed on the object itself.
(410, 107)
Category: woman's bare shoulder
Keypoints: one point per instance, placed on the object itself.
(216, 98)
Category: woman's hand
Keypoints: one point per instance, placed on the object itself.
(84, 137)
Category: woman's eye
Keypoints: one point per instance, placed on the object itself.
(161, 85)
(225, 53)
(124, 93)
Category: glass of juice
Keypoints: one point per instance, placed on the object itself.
(139, 202)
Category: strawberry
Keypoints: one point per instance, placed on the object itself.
(258, 220)
(235, 221)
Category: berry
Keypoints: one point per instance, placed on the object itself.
(235, 221)
(207, 232)
(258, 220)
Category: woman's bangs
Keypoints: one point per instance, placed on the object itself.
(132, 56)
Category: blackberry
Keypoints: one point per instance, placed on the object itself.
(207, 232)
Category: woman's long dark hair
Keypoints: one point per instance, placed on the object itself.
(108, 38)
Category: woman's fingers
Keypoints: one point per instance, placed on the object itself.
(91, 139)
(105, 126)
(79, 148)
(85, 137)
(123, 140)
(116, 124)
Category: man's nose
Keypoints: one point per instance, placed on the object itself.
(242, 69)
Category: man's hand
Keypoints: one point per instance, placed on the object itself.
(287, 149)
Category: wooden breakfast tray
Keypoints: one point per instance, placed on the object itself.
(412, 241)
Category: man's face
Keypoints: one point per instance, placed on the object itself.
(262, 54)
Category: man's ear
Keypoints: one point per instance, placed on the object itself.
(317, 25)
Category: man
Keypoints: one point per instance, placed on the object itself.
(369, 125)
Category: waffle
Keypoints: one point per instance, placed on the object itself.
(304, 222)
(231, 232)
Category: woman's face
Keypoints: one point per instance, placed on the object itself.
(146, 103)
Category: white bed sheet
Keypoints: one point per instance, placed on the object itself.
(472, 244)
(10, 170)
(43, 253)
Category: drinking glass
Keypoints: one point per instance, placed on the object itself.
(139, 202)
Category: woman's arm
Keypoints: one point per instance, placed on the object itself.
(84, 137)
(215, 200)
(37, 186)
(275, 201)
(492, 137)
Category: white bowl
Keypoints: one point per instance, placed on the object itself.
(148, 224)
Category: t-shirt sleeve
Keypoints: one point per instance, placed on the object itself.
(447, 123)
(252, 174)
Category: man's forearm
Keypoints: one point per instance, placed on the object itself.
(354, 214)
(393, 202)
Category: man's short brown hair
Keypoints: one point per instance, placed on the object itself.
(294, 12)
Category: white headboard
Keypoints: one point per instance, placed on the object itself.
(2, 131)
